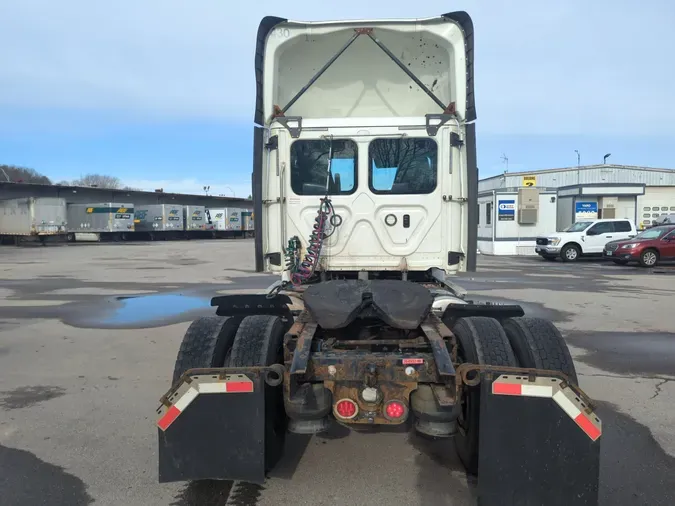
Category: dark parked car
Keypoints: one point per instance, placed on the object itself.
(647, 248)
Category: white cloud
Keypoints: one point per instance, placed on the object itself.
(192, 187)
(575, 67)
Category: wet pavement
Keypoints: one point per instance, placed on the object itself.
(86, 354)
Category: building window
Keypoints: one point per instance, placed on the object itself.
(664, 209)
(403, 166)
(479, 214)
(646, 209)
(488, 213)
(309, 167)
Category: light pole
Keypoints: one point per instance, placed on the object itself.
(206, 190)
(578, 157)
(604, 159)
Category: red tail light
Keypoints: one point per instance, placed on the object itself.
(346, 409)
(395, 410)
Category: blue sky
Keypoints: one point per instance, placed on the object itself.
(160, 93)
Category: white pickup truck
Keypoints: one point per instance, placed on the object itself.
(584, 238)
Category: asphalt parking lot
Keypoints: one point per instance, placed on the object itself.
(89, 334)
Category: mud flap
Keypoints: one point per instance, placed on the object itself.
(539, 444)
(214, 429)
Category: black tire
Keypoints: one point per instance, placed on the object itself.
(481, 340)
(649, 258)
(538, 344)
(570, 253)
(205, 344)
(259, 342)
(620, 262)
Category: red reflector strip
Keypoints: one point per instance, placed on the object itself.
(565, 398)
(239, 386)
(413, 361)
(217, 387)
(591, 430)
(507, 389)
(168, 418)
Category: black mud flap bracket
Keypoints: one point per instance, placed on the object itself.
(212, 426)
(539, 443)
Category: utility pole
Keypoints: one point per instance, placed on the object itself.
(604, 160)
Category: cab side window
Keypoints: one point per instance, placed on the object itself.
(622, 226)
(604, 227)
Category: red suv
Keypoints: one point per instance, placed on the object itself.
(647, 248)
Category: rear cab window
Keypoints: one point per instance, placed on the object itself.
(309, 167)
(602, 227)
(622, 226)
(403, 166)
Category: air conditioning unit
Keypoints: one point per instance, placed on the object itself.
(528, 216)
(528, 206)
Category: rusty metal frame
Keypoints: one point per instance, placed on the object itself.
(436, 333)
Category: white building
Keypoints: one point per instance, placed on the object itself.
(514, 208)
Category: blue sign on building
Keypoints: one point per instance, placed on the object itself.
(506, 210)
(586, 210)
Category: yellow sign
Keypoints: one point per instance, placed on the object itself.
(122, 210)
(529, 180)
(90, 210)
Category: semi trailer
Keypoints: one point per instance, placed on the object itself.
(32, 218)
(159, 221)
(365, 191)
(100, 221)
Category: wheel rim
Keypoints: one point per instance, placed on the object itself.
(571, 254)
(649, 258)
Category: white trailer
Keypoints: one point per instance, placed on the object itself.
(37, 217)
(97, 221)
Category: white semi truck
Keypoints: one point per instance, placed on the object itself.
(365, 190)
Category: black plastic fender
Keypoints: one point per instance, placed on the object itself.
(539, 444)
(214, 428)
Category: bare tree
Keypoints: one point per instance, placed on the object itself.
(16, 174)
(99, 181)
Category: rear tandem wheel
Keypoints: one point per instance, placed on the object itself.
(538, 344)
(481, 340)
(259, 342)
(206, 343)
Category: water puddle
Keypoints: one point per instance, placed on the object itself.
(133, 310)
(140, 311)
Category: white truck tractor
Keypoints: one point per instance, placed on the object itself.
(365, 190)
